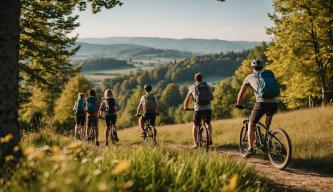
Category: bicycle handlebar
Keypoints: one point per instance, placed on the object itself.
(189, 109)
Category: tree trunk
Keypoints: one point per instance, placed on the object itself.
(9, 47)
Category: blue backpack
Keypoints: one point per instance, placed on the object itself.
(91, 106)
(268, 87)
(80, 106)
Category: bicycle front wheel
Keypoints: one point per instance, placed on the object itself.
(203, 138)
(279, 148)
(243, 141)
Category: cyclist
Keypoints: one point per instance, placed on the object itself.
(150, 107)
(201, 94)
(91, 106)
(110, 107)
(263, 105)
(79, 114)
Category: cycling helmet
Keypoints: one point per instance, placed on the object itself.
(257, 63)
(147, 87)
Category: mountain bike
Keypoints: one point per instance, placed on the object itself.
(149, 133)
(275, 143)
(91, 130)
(203, 135)
(80, 133)
(112, 132)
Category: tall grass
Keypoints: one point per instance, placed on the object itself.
(310, 130)
(74, 166)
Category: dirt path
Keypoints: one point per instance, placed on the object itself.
(290, 179)
(285, 180)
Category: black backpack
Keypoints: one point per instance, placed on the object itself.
(110, 105)
(201, 94)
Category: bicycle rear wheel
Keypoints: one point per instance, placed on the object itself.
(279, 149)
(203, 138)
(148, 137)
(243, 140)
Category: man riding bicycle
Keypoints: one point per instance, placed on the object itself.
(201, 94)
(266, 90)
(149, 106)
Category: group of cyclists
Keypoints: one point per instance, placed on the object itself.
(262, 81)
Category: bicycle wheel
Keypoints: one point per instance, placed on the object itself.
(279, 148)
(243, 141)
(148, 135)
(113, 136)
(205, 139)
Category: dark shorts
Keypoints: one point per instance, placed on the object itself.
(261, 109)
(110, 120)
(151, 117)
(92, 121)
(198, 115)
(80, 119)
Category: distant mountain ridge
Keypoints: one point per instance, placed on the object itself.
(126, 51)
(198, 46)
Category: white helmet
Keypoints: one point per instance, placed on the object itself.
(257, 63)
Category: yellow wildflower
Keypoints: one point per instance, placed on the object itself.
(126, 185)
(122, 167)
(6, 138)
(232, 184)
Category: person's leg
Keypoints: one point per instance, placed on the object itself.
(141, 123)
(96, 129)
(88, 123)
(209, 125)
(196, 124)
(107, 130)
(152, 122)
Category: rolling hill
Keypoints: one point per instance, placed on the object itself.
(198, 46)
(126, 51)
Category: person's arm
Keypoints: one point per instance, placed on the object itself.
(241, 93)
(211, 94)
(101, 108)
(187, 100)
(138, 109)
(117, 107)
(74, 108)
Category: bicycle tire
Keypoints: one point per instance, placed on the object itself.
(243, 140)
(113, 136)
(275, 146)
(206, 139)
(148, 135)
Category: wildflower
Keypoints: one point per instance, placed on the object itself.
(232, 184)
(16, 148)
(97, 172)
(97, 159)
(58, 158)
(55, 149)
(34, 154)
(84, 160)
(9, 158)
(74, 146)
(122, 167)
(102, 186)
(126, 185)
(6, 138)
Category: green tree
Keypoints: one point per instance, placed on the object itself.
(171, 96)
(224, 100)
(64, 114)
(302, 50)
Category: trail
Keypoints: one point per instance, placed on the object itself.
(290, 179)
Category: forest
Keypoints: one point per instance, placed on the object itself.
(103, 64)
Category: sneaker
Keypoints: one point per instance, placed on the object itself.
(97, 143)
(249, 152)
(210, 141)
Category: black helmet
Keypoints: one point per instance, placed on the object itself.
(257, 63)
(147, 87)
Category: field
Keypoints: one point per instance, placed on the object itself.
(54, 162)
(311, 133)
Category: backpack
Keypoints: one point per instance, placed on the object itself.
(149, 105)
(201, 94)
(80, 106)
(268, 87)
(91, 104)
(110, 105)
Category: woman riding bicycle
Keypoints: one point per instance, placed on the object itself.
(109, 107)
(266, 90)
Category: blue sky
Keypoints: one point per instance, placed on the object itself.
(208, 19)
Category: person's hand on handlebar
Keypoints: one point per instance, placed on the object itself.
(238, 106)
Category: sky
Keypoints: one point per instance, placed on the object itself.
(206, 19)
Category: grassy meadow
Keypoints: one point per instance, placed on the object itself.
(56, 163)
(310, 131)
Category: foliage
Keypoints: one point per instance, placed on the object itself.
(104, 64)
(73, 166)
(171, 96)
(302, 50)
(64, 113)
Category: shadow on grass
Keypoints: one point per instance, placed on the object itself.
(321, 166)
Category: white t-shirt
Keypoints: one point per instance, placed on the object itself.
(197, 107)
